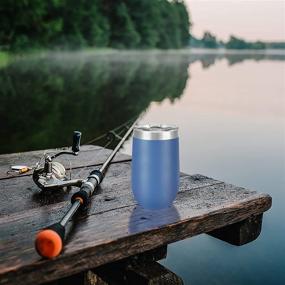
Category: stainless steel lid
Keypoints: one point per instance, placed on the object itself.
(156, 132)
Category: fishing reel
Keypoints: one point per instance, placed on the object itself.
(52, 174)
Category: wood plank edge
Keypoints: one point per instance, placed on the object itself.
(150, 239)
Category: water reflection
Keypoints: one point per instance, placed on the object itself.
(143, 219)
(44, 98)
(210, 59)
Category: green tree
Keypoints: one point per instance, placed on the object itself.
(28, 23)
(184, 24)
(236, 43)
(258, 45)
(84, 24)
(95, 26)
(163, 23)
(144, 15)
(209, 40)
(123, 32)
(79, 23)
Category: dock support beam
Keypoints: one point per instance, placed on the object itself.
(240, 233)
(140, 269)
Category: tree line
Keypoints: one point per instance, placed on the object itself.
(210, 41)
(93, 23)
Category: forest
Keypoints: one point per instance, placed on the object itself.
(73, 24)
(209, 40)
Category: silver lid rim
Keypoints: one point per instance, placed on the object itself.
(155, 132)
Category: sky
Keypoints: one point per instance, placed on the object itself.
(249, 19)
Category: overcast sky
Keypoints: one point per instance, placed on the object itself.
(249, 19)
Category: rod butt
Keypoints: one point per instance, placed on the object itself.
(49, 241)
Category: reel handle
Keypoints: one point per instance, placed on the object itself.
(76, 141)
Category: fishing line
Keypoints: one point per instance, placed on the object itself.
(100, 150)
(105, 134)
(110, 141)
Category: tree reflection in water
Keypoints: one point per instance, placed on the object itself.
(44, 98)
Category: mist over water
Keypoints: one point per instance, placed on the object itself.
(230, 110)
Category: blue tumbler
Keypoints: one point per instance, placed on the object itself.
(155, 165)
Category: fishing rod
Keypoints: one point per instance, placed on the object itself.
(49, 241)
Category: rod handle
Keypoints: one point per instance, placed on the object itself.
(49, 241)
(76, 141)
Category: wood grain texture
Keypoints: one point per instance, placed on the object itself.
(115, 191)
(89, 155)
(113, 227)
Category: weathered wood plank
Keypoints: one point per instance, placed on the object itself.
(26, 195)
(88, 155)
(115, 228)
(110, 197)
(240, 233)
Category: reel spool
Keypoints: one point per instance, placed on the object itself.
(52, 175)
(58, 170)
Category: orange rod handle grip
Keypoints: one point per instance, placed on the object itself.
(49, 241)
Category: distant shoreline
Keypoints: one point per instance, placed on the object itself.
(7, 57)
(238, 51)
(180, 50)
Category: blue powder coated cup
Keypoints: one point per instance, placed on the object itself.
(155, 165)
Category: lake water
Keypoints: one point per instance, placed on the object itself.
(230, 110)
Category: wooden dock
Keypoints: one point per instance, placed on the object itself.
(116, 241)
